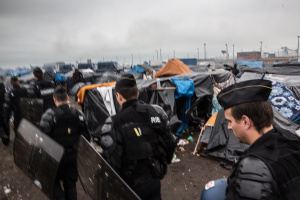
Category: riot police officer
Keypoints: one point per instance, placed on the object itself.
(137, 141)
(65, 125)
(12, 104)
(269, 169)
(43, 89)
(3, 130)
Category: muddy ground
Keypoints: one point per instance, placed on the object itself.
(184, 181)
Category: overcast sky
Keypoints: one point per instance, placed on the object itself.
(42, 31)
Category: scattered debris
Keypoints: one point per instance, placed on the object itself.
(191, 139)
(175, 159)
(182, 142)
(181, 149)
(7, 190)
(38, 184)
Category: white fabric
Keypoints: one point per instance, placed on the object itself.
(107, 96)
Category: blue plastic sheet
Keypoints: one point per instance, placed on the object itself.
(184, 88)
(136, 69)
(250, 63)
(60, 77)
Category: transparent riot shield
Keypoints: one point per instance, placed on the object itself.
(32, 109)
(98, 179)
(37, 155)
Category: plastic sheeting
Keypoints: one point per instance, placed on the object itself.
(201, 102)
(184, 89)
(250, 63)
(95, 109)
(282, 124)
(136, 69)
(222, 142)
(161, 91)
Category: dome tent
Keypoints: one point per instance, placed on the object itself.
(173, 67)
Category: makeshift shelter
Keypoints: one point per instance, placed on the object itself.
(220, 142)
(216, 141)
(173, 67)
(161, 91)
(136, 69)
(288, 76)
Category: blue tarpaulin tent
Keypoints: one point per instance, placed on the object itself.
(136, 69)
(250, 63)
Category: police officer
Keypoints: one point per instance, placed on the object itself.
(137, 141)
(65, 125)
(12, 105)
(43, 89)
(3, 130)
(269, 169)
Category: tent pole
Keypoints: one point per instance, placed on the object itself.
(200, 134)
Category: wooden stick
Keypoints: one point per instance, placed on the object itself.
(200, 134)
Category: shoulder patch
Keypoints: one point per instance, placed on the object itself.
(155, 120)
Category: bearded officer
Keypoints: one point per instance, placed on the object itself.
(65, 125)
(269, 169)
(137, 141)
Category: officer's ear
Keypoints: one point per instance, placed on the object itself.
(246, 121)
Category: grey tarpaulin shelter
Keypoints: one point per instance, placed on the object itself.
(221, 142)
(161, 91)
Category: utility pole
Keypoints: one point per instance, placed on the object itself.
(298, 48)
(174, 53)
(233, 52)
(260, 48)
(204, 51)
(156, 54)
(198, 53)
(226, 53)
(131, 60)
(160, 54)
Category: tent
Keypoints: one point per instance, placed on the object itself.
(219, 141)
(288, 76)
(162, 92)
(173, 67)
(136, 69)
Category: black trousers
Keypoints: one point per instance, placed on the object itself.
(4, 130)
(149, 190)
(68, 174)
